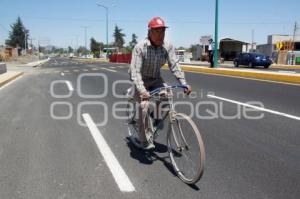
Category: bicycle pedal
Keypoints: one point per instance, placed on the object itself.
(180, 149)
(132, 122)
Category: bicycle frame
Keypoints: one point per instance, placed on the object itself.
(169, 113)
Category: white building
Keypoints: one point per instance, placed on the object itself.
(269, 49)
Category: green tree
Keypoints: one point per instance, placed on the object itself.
(96, 47)
(119, 37)
(17, 35)
(82, 50)
(181, 48)
(133, 41)
(59, 51)
(70, 49)
(42, 49)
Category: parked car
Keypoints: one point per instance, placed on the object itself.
(252, 60)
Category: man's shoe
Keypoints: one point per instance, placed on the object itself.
(148, 146)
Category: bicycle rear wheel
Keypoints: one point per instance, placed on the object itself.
(186, 148)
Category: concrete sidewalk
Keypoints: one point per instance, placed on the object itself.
(16, 69)
(8, 77)
(27, 63)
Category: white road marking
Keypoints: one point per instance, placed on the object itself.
(75, 70)
(86, 70)
(66, 71)
(95, 69)
(113, 164)
(120, 66)
(255, 107)
(70, 87)
(109, 70)
(62, 74)
(112, 67)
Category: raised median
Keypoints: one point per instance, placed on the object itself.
(262, 75)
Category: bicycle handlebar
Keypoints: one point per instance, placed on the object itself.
(157, 90)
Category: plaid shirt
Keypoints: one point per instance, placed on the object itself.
(147, 60)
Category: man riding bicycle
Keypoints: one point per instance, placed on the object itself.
(148, 57)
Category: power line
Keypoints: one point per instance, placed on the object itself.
(145, 21)
(4, 28)
(58, 19)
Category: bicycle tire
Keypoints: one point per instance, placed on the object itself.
(179, 151)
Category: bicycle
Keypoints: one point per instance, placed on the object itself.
(185, 148)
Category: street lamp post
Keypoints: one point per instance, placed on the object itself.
(25, 41)
(216, 34)
(106, 9)
(76, 44)
(85, 39)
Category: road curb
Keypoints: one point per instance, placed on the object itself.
(8, 77)
(285, 67)
(37, 63)
(271, 76)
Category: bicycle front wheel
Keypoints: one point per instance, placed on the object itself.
(186, 148)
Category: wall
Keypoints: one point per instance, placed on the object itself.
(266, 49)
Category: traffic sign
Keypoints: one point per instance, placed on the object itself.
(204, 40)
(279, 45)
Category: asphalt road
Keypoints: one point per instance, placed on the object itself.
(46, 151)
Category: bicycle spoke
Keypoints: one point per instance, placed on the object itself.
(186, 152)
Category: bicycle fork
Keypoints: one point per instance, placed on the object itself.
(180, 141)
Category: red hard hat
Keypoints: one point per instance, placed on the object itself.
(156, 22)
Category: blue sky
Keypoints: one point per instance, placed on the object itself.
(59, 22)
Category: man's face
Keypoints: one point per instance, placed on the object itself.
(157, 36)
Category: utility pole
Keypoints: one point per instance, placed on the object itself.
(252, 43)
(25, 42)
(85, 36)
(75, 46)
(31, 46)
(293, 44)
(38, 48)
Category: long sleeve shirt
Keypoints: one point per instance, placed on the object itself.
(147, 60)
(211, 46)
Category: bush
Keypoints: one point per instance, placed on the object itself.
(96, 54)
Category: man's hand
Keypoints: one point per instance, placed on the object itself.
(188, 90)
(144, 95)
